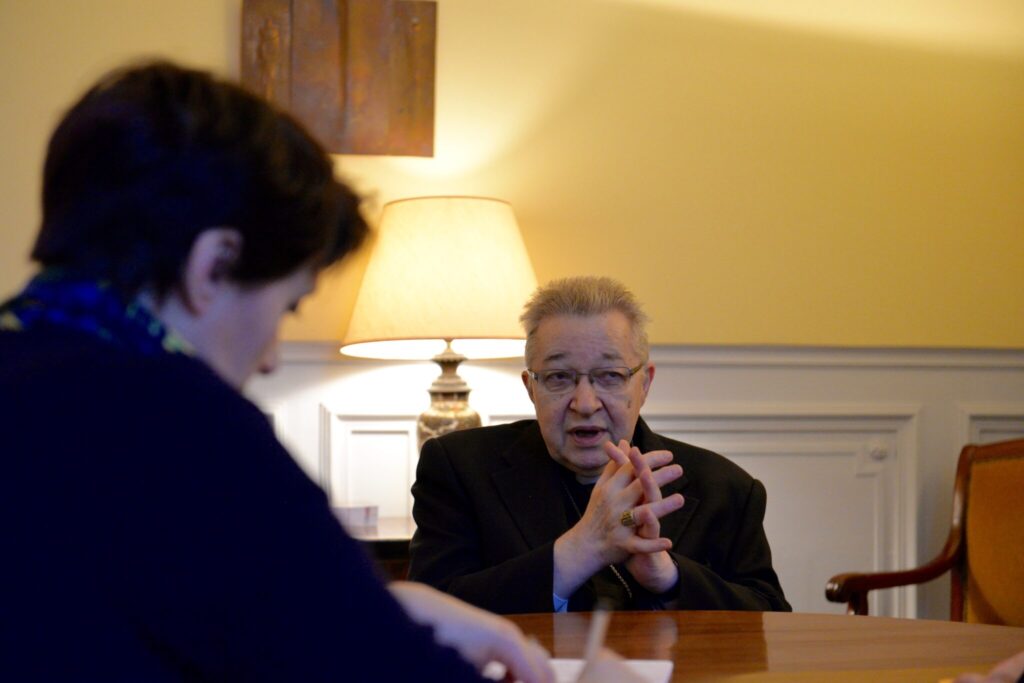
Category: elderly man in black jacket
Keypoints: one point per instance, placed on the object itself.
(586, 502)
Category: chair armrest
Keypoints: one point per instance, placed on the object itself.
(853, 588)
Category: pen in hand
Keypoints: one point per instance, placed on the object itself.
(595, 636)
(601, 665)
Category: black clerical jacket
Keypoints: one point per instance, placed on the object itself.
(489, 507)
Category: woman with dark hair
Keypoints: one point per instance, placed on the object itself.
(153, 527)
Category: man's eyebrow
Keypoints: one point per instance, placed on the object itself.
(559, 355)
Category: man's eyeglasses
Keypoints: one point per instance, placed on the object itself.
(606, 380)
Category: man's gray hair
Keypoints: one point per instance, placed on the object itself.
(584, 296)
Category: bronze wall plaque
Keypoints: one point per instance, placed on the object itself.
(358, 73)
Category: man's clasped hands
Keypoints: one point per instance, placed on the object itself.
(622, 523)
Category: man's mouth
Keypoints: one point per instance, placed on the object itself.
(587, 436)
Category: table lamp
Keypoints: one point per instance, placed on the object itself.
(447, 281)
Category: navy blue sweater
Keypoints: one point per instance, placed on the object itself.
(152, 528)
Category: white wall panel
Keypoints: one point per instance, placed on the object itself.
(369, 460)
(818, 466)
(986, 423)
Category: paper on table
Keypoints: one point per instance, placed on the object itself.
(568, 670)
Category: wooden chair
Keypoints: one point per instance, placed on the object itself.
(984, 550)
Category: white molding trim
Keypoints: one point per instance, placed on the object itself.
(907, 444)
(324, 418)
(755, 410)
(829, 357)
(505, 418)
(974, 415)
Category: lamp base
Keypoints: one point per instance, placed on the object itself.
(449, 401)
(447, 413)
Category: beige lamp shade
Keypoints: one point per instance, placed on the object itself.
(443, 268)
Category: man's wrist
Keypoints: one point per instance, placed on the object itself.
(664, 574)
(674, 586)
(573, 561)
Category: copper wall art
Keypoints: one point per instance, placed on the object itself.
(358, 73)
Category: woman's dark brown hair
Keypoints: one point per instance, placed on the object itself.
(154, 154)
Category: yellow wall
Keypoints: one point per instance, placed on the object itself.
(852, 180)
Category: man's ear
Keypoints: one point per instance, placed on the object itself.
(648, 377)
(213, 256)
(529, 387)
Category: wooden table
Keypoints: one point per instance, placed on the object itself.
(762, 647)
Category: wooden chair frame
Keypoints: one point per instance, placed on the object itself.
(853, 588)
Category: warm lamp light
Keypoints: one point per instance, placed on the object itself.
(446, 282)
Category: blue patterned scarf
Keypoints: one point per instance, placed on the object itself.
(52, 300)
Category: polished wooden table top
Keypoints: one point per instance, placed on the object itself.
(756, 646)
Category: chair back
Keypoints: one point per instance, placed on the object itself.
(989, 582)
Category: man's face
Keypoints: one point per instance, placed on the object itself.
(576, 423)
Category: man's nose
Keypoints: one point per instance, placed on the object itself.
(584, 399)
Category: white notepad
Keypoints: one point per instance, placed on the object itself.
(568, 670)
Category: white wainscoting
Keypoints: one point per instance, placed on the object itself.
(818, 463)
(985, 423)
(857, 448)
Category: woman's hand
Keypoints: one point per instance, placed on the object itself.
(479, 636)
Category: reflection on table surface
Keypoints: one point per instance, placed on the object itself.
(398, 529)
(756, 646)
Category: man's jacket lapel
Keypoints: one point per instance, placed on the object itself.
(529, 489)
